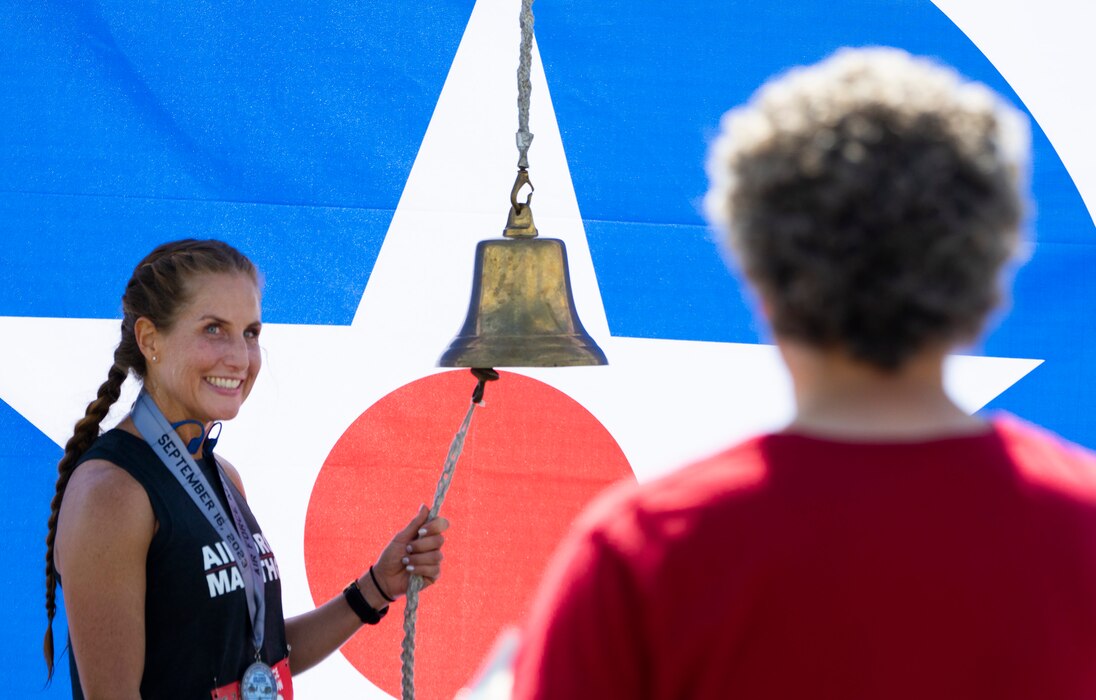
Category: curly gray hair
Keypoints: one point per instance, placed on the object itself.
(872, 199)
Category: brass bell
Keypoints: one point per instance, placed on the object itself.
(522, 312)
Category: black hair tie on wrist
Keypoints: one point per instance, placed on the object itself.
(378, 585)
(361, 606)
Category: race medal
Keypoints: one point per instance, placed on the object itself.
(259, 683)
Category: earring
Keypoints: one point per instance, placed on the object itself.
(153, 358)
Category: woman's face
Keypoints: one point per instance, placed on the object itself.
(207, 363)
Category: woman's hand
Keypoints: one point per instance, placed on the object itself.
(416, 549)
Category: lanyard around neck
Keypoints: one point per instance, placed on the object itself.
(165, 442)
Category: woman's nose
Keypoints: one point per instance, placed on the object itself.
(237, 355)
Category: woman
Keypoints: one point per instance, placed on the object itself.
(885, 544)
(171, 591)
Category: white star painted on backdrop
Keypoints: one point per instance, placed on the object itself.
(664, 401)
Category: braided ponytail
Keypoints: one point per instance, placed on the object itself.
(157, 290)
(87, 429)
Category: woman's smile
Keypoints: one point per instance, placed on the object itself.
(225, 383)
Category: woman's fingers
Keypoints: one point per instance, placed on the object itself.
(428, 572)
(420, 526)
(433, 527)
(425, 544)
(432, 558)
(437, 526)
(417, 523)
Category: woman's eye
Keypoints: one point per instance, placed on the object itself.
(213, 329)
(251, 334)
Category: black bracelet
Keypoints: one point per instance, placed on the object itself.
(361, 606)
(378, 585)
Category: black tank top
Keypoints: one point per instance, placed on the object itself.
(197, 625)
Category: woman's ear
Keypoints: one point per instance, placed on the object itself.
(148, 339)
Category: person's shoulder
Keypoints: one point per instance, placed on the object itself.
(102, 480)
(112, 438)
(114, 445)
(732, 469)
(103, 500)
(683, 495)
(730, 472)
(105, 515)
(1044, 456)
(232, 473)
(1022, 436)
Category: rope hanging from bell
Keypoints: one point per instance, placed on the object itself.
(411, 606)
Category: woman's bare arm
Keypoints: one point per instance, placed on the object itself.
(104, 530)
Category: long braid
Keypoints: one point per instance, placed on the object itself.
(157, 290)
(85, 433)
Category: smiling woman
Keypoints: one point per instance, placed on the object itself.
(171, 590)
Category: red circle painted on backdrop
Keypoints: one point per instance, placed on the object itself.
(532, 459)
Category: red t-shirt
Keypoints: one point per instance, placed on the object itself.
(795, 567)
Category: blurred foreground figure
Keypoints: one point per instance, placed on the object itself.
(884, 544)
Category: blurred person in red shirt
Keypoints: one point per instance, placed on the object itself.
(884, 544)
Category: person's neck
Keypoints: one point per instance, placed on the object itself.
(839, 397)
(186, 432)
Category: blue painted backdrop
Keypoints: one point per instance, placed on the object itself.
(290, 128)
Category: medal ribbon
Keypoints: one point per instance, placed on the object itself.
(165, 442)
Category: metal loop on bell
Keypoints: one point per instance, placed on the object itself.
(519, 223)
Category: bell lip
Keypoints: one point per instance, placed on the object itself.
(565, 351)
(593, 362)
(519, 365)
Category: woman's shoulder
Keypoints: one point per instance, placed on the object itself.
(233, 474)
(101, 478)
(104, 471)
(105, 503)
(122, 464)
(117, 446)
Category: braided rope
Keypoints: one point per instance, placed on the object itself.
(411, 607)
(525, 60)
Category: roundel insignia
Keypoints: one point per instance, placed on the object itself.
(532, 459)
